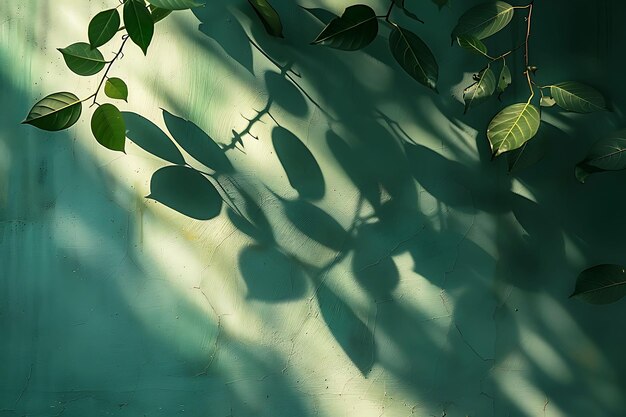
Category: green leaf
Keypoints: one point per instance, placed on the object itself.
(116, 88)
(577, 97)
(484, 20)
(472, 44)
(481, 90)
(57, 111)
(269, 17)
(108, 127)
(158, 14)
(103, 27)
(505, 78)
(83, 60)
(547, 101)
(607, 154)
(512, 127)
(414, 56)
(139, 23)
(357, 27)
(176, 4)
(601, 284)
(187, 191)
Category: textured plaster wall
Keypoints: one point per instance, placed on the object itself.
(382, 265)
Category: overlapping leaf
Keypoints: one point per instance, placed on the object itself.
(512, 127)
(83, 60)
(481, 90)
(57, 111)
(414, 56)
(176, 4)
(601, 284)
(484, 20)
(472, 44)
(354, 29)
(269, 17)
(577, 97)
(159, 14)
(103, 27)
(139, 23)
(608, 154)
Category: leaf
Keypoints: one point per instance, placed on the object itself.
(547, 101)
(116, 88)
(187, 191)
(608, 154)
(57, 111)
(577, 97)
(176, 4)
(601, 284)
(505, 78)
(357, 27)
(139, 23)
(484, 20)
(269, 17)
(481, 90)
(83, 60)
(512, 127)
(414, 56)
(158, 14)
(107, 126)
(103, 27)
(472, 44)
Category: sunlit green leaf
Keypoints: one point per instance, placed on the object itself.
(107, 126)
(505, 78)
(177, 4)
(608, 154)
(484, 20)
(103, 27)
(158, 14)
(357, 27)
(601, 284)
(269, 17)
(577, 97)
(481, 90)
(83, 60)
(139, 23)
(57, 111)
(116, 88)
(512, 127)
(414, 56)
(547, 101)
(187, 191)
(472, 44)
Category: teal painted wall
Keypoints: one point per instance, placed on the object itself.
(384, 266)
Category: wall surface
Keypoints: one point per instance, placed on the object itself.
(367, 258)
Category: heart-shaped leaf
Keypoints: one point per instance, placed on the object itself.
(512, 127)
(481, 90)
(139, 23)
(269, 17)
(577, 97)
(176, 4)
(187, 191)
(601, 284)
(608, 154)
(107, 126)
(472, 44)
(505, 78)
(414, 56)
(83, 60)
(484, 20)
(158, 14)
(103, 27)
(57, 111)
(116, 88)
(357, 27)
